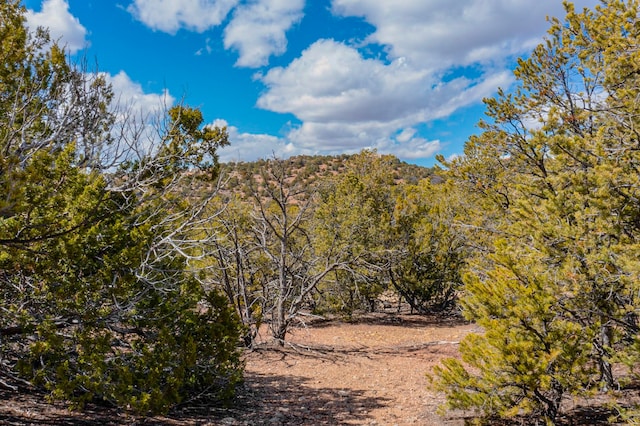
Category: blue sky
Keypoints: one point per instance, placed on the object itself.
(289, 77)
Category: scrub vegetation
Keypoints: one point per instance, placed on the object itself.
(136, 271)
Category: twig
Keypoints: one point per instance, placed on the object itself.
(7, 386)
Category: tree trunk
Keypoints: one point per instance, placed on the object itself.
(603, 347)
(279, 326)
(279, 331)
(551, 402)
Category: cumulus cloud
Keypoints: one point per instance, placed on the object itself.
(63, 26)
(349, 102)
(138, 116)
(130, 96)
(412, 149)
(332, 80)
(440, 33)
(251, 146)
(441, 56)
(258, 29)
(171, 15)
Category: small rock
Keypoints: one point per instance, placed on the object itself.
(277, 419)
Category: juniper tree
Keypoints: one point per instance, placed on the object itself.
(353, 220)
(97, 296)
(430, 246)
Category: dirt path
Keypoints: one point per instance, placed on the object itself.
(368, 373)
(331, 373)
(371, 373)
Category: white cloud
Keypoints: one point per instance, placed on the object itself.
(138, 119)
(171, 15)
(437, 34)
(441, 56)
(331, 79)
(250, 146)
(207, 47)
(258, 29)
(63, 26)
(336, 139)
(129, 95)
(406, 135)
(347, 102)
(413, 149)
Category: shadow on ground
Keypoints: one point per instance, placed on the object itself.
(262, 400)
(285, 400)
(404, 320)
(31, 408)
(578, 416)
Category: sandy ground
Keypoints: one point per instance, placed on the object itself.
(369, 372)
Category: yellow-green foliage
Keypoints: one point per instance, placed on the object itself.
(556, 285)
(353, 221)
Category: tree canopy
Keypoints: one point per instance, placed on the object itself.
(98, 297)
(556, 169)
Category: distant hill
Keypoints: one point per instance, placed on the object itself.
(307, 169)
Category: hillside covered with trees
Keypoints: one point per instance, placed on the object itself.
(317, 235)
(135, 269)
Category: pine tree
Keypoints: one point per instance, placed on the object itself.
(431, 249)
(557, 170)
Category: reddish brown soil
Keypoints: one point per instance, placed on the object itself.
(372, 372)
(369, 372)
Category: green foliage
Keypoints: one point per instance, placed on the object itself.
(191, 146)
(394, 233)
(292, 242)
(98, 301)
(530, 353)
(353, 219)
(431, 249)
(555, 285)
